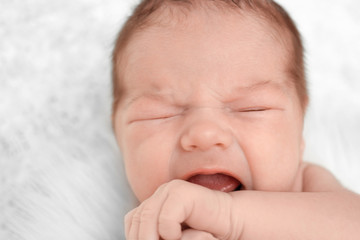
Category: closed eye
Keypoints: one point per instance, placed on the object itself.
(152, 118)
(255, 109)
(161, 117)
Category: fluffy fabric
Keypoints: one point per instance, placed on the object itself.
(61, 174)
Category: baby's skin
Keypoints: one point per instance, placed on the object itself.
(182, 210)
(210, 128)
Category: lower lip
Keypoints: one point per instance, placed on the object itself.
(219, 182)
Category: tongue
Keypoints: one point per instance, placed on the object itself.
(220, 182)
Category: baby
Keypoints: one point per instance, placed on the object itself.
(209, 104)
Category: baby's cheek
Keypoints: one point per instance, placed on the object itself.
(146, 166)
(274, 167)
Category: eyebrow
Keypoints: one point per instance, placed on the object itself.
(156, 93)
(258, 85)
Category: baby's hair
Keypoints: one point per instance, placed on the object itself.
(152, 12)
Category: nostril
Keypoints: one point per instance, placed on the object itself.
(219, 145)
(192, 147)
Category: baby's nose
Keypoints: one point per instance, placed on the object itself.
(204, 135)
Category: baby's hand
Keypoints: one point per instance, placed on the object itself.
(208, 214)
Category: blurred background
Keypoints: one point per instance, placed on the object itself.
(61, 175)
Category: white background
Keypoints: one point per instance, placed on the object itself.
(60, 171)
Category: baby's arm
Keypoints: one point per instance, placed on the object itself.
(304, 215)
(325, 211)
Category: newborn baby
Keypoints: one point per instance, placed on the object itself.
(209, 105)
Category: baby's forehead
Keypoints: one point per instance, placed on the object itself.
(162, 16)
(202, 29)
(237, 56)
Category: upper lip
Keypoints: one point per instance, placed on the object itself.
(211, 171)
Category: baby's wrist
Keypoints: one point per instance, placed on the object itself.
(237, 210)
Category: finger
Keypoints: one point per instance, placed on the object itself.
(205, 210)
(149, 213)
(148, 218)
(128, 220)
(192, 234)
(134, 224)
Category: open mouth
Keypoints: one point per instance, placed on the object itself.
(218, 181)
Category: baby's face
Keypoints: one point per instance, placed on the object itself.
(211, 97)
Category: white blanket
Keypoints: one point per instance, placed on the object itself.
(61, 175)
